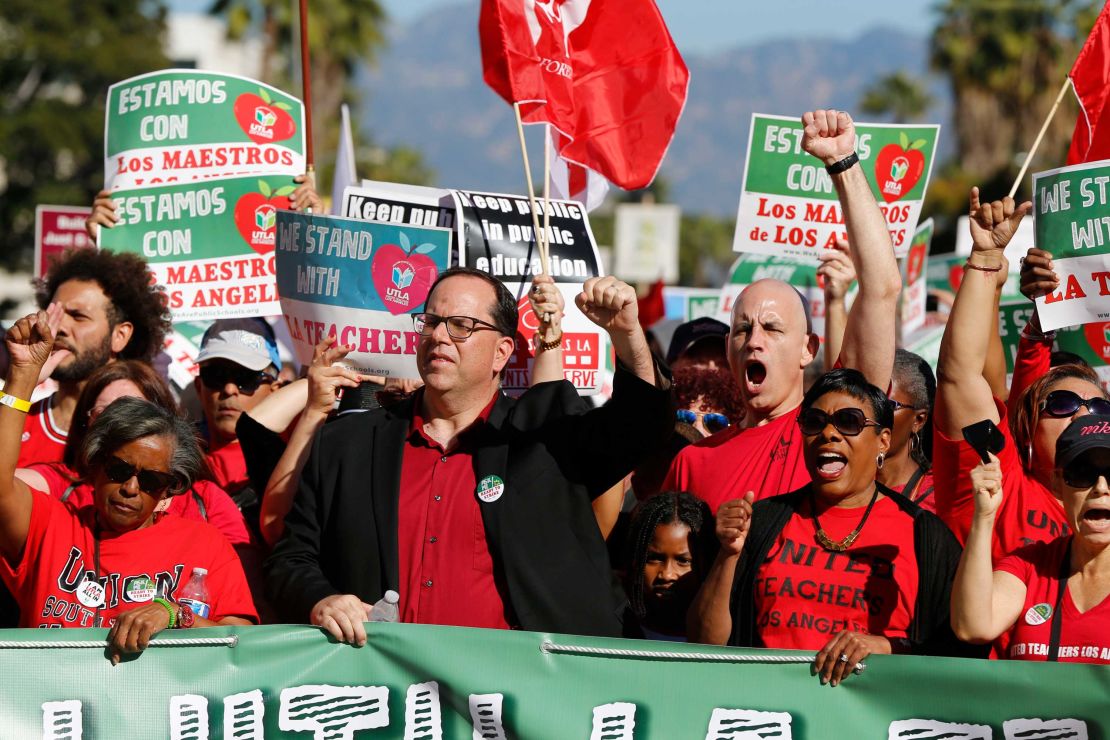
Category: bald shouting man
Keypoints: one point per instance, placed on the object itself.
(771, 341)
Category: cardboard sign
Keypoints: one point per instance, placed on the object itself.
(210, 243)
(788, 205)
(645, 242)
(360, 281)
(183, 125)
(58, 228)
(1071, 208)
(913, 279)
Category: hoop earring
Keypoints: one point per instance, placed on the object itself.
(880, 460)
(915, 443)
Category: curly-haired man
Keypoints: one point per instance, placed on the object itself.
(113, 310)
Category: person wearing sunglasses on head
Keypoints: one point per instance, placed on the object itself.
(1051, 599)
(843, 566)
(118, 562)
(1029, 510)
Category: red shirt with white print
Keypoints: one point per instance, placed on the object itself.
(43, 440)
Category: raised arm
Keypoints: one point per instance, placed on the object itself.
(29, 343)
(547, 305)
(838, 273)
(869, 335)
(611, 304)
(963, 394)
(709, 619)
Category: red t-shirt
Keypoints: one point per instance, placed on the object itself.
(805, 594)
(43, 440)
(923, 494)
(229, 468)
(56, 581)
(204, 502)
(1028, 513)
(765, 459)
(1084, 636)
(1033, 359)
(445, 567)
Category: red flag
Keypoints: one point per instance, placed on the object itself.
(1090, 79)
(610, 78)
(651, 307)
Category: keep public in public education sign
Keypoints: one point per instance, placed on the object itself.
(1071, 207)
(180, 125)
(788, 204)
(358, 281)
(209, 242)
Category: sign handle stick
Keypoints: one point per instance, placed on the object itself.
(306, 87)
(545, 249)
(1037, 141)
(531, 189)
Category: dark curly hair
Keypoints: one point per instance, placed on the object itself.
(716, 387)
(672, 507)
(129, 286)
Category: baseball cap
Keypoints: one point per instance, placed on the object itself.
(687, 335)
(246, 342)
(1086, 433)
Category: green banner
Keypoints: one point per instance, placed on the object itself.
(210, 243)
(180, 125)
(414, 681)
(1072, 221)
(788, 205)
(945, 271)
(913, 279)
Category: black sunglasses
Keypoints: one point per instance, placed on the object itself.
(1060, 404)
(713, 422)
(458, 327)
(153, 482)
(849, 422)
(1085, 474)
(245, 379)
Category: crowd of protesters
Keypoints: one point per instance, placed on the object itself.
(726, 494)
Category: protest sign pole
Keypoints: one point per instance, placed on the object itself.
(306, 92)
(531, 190)
(1037, 141)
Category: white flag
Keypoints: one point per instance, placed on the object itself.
(571, 181)
(344, 162)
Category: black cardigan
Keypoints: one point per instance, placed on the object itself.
(936, 550)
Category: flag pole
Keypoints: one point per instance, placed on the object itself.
(1037, 141)
(531, 189)
(306, 90)
(546, 195)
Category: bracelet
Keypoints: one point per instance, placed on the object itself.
(982, 269)
(847, 163)
(165, 604)
(553, 344)
(13, 402)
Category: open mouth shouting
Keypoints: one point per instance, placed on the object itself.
(830, 465)
(755, 374)
(1095, 520)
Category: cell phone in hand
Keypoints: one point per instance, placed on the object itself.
(984, 437)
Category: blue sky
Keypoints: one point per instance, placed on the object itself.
(709, 25)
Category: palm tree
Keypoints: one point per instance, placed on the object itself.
(899, 95)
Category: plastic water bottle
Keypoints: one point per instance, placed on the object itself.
(385, 609)
(195, 593)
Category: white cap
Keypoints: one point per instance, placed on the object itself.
(391, 597)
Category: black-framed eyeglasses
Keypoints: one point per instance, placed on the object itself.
(849, 422)
(713, 422)
(216, 376)
(1085, 474)
(898, 405)
(1063, 403)
(458, 327)
(154, 482)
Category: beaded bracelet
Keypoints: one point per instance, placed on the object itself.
(169, 610)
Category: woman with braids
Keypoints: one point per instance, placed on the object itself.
(908, 469)
(843, 565)
(670, 546)
(118, 562)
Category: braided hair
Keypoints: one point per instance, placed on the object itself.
(672, 507)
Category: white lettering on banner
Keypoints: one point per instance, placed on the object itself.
(1093, 234)
(747, 724)
(188, 717)
(505, 267)
(317, 280)
(164, 128)
(243, 715)
(616, 721)
(168, 243)
(333, 712)
(422, 717)
(171, 206)
(485, 716)
(61, 720)
(171, 92)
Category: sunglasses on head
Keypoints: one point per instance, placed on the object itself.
(154, 482)
(849, 422)
(1062, 403)
(713, 422)
(1085, 473)
(245, 379)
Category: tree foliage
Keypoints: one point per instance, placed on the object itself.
(55, 68)
(898, 95)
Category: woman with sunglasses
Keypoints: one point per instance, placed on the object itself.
(908, 469)
(843, 566)
(117, 562)
(1050, 599)
(1029, 510)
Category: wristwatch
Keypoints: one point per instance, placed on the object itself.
(185, 617)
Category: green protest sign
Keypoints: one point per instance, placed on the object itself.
(945, 271)
(1012, 318)
(210, 243)
(1071, 208)
(788, 205)
(913, 279)
(1091, 342)
(180, 125)
(413, 681)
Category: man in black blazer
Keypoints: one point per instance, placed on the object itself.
(520, 474)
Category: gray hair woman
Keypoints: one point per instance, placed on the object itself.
(117, 562)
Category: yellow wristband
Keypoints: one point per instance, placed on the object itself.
(16, 403)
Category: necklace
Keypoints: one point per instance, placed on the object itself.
(827, 542)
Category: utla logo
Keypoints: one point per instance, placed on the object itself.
(1098, 337)
(403, 274)
(898, 167)
(256, 215)
(263, 120)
